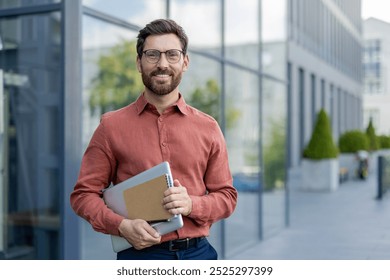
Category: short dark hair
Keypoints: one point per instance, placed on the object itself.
(161, 27)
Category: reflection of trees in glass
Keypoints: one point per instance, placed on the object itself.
(274, 158)
(118, 82)
(207, 100)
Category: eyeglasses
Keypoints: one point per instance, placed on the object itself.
(153, 56)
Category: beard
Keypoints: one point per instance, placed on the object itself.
(161, 88)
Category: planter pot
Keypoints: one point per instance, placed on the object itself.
(320, 175)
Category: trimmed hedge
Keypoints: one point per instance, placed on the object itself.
(321, 145)
(353, 141)
(384, 141)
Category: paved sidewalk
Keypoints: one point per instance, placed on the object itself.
(348, 224)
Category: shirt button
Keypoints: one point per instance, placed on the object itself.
(160, 119)
(163, 144)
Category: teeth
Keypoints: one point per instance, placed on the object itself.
(162, 76)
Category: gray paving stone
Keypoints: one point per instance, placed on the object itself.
(348, 224)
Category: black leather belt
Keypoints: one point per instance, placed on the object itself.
(179, 244)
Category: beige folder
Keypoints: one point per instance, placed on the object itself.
(144, 201)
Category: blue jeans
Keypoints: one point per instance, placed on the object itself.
(201, 251)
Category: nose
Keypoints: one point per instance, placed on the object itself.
(163, 62)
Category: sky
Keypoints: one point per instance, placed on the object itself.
(379, 9)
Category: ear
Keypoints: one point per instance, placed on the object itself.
(186, 62)
(139, 67)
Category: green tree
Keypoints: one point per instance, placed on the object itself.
(207, 100)
(373, 143)
(118, 82)
(321, 145)
(274, 157)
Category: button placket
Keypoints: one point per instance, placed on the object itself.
(163, 137)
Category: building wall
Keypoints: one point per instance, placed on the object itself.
(324, 50)
(376, 65)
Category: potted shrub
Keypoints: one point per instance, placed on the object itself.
(373, 146)
(350, 142)
(373, 142)
(320, 166)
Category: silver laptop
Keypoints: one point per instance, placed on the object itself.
(120, 243)
(113, 197)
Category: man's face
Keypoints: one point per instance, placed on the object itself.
(162, 77)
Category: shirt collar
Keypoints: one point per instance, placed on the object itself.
(141, 104)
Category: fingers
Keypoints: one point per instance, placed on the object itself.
(176, 183)
(139, 233)
(151, 231)
(177, 200)
(176, 208)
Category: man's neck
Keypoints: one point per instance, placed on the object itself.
(161, 102)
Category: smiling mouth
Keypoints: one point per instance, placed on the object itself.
(162, 78)
(162, 75)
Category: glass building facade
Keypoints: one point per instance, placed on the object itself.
(64, 63)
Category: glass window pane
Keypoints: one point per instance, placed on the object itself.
(273, 23)
(201, 85)
(273, 31)
(17, 3)
(110, 77)
(242, 136)
(242, 32)
(110, 81)
(139, 12)
(206, 33)
(31, 62)
(274, 128)
(3, 157)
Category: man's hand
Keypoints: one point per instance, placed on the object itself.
(139, 233)
(176, 200)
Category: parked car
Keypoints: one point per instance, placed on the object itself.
(246, 182)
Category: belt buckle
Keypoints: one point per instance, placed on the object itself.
(172, 245)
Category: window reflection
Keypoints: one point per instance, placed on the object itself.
(18, 3)
(110, 77)
(274, 158)
(201, 86)
(242, 32)
(205, 34)
(110, 81)
(139, 12)
(30, 59)
(242, 97)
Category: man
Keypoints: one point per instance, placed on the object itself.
(158, 127)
